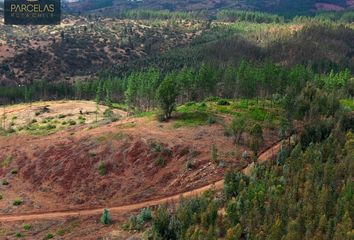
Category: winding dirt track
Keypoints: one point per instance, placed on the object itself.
(266, 155)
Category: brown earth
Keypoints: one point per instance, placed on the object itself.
(265, 156)
(21, 114)
(58, 173)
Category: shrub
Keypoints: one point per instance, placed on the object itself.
(8, 160)
(102, 169)
(145, 215)
(1, 197)
(132, 224)
(49, 236)
(61, 116)
(223, 102)
(61, 232)
(108, 113)
(156, 146)
(81, 118)
(137, 222)
(188, 104)
(184, 151)
(212, 99)
(245, 155)
(5, 182)
(50, 127)
(114, 119)
(14, 171)
(211, 120)
(190, 164)
(161, 162)
(258, 114)
(19, 235)
(194, 154)
(17, 202)
(71, 122)
(105, 218)
(26, 227)
(92, 154)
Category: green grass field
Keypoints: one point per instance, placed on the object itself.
(263, 112)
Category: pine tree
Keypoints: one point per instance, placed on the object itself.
(98, 93)
(256, 138)
(105, 218)
(344, 229)
(78, 89)
(276, 231)
(4, 117)
(161, 225)
(229, 82)
(294, 230)
(214, 154)
(286, 129)
(234, 233)
(131, 93)
(238, 126)
(108, 97)
(246, 76)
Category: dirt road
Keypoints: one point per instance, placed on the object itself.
(266, 155)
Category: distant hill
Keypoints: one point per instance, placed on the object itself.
(85, 5)
(285, 7)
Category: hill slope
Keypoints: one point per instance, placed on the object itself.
(286, 7)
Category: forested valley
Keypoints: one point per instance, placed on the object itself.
(255, 76)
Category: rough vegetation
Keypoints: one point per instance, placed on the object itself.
(116, 108)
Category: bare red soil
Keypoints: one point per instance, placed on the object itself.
(265, 156)
(60, 171)
(58, 174)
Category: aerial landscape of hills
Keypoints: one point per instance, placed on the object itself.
(179, 120)
(272, 6)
